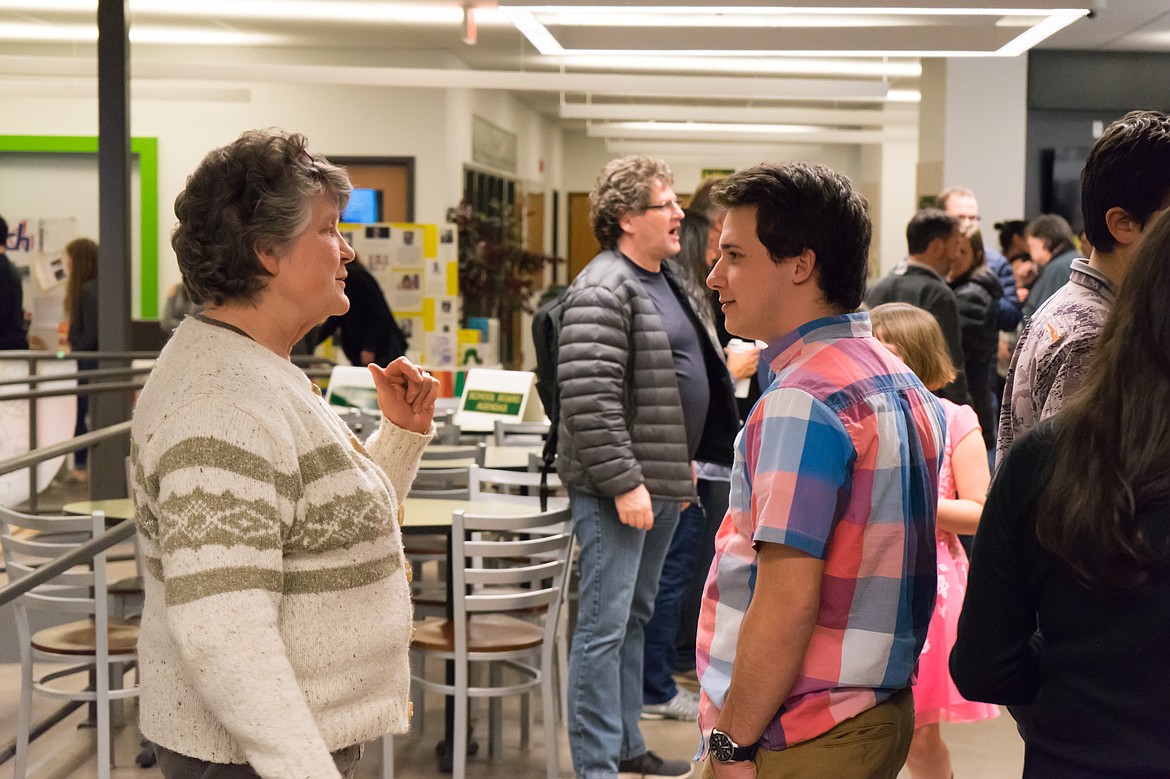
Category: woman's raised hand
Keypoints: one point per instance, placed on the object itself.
(406, 394)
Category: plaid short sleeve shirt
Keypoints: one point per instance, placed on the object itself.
(839, 459)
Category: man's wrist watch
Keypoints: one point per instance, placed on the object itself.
(725, 750)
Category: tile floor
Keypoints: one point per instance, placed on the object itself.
(986, 750)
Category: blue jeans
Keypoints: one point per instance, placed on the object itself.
(662, 630)
(620, 567)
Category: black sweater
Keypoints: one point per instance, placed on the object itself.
(1098, 682)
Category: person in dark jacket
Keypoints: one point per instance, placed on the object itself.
(369, 333)
(635, 411)
(13, 323)
(932, 241)
(1074, 541)
(1053, 248)
(960, 202)
(81, 306)
(977, 291)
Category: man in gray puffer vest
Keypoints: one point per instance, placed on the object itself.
(642, 393)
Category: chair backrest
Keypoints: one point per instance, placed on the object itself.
(447, 483)
(352, 387)
(453, 456)
(446, 431)
(30, 541)
(490, 484)
(509, 563)
(520, 433)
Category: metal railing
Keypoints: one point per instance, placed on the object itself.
(35, 378)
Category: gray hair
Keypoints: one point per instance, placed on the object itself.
(623, 187)
(254, 195)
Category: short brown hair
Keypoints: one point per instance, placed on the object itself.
(255, 194)
(919, 340)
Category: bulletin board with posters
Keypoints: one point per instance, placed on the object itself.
(417, 266)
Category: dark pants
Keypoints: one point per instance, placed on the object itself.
(176, 766)
(81, 456)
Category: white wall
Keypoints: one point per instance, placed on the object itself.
(433, 126)
(973, 133)
(986, 138)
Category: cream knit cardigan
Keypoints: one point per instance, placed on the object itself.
(277, 617)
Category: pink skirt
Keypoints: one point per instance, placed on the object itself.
(936, 699)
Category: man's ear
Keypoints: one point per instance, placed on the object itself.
(1123, 227)
(624, 221)
(804, 266)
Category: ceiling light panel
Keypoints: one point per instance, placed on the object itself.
(917, 29)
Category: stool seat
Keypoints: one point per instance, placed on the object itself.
(485, 633)
(78, 638)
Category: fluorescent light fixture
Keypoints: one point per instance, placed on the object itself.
(723, 114)
(536, 33)
(533, 21)
(904, 96)
(1030, 37)
(87, 33)
(786, 133)
(749, 153)
(744, 62)
(615, 129)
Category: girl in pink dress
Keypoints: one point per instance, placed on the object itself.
(914, 336)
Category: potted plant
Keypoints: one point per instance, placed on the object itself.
(498, 276)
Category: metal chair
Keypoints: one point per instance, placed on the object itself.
(506, 568)
(487, 484)
(520, 433)
(95, 644)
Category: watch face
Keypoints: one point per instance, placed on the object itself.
(722, 747)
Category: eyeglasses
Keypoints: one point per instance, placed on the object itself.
(667, 204)
(969, 218)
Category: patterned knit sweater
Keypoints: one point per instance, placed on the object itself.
(277, 616)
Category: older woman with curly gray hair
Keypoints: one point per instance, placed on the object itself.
(277, 620)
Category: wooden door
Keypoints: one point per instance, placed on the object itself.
(583, 245)
(393, 181)
(534, 222)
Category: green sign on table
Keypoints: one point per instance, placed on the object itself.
(487, 402)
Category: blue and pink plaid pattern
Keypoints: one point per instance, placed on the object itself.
(839, 459)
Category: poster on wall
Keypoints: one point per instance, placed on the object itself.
(408, 247)
(51, 270)
(406, 291)
(448, 249)
(417, 267)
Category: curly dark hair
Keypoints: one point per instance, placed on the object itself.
(801, 206)
(254, 195)
(623, 187)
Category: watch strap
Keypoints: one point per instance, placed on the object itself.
(731, 752)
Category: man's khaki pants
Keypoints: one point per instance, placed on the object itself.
(872, 745)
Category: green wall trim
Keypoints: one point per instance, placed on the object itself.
(147, 150)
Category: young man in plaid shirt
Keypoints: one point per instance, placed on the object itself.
(824, 576)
